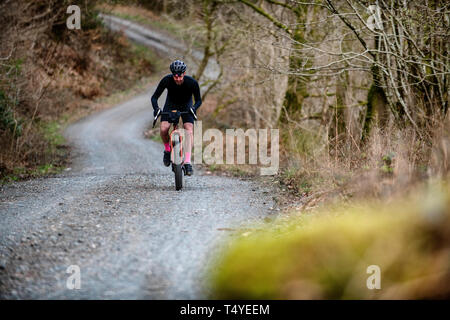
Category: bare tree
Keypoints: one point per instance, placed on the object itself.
(405, 51)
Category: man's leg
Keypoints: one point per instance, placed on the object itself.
(164, 132)
(189, 129)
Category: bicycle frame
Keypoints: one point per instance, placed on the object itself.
(176, 144)
(173, 142)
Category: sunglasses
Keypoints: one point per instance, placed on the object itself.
(177, 74)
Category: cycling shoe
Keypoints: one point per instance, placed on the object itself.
(166, 158)
(188, 169)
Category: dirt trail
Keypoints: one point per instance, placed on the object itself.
(116, 215)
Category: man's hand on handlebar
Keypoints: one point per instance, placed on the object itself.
(158, 112)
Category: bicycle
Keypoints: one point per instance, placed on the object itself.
(176, 145)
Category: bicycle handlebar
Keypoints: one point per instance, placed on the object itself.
(168, 113)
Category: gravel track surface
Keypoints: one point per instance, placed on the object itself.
(117, 216)
(116, 213)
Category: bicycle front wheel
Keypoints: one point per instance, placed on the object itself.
(179, 176)
(178, 161)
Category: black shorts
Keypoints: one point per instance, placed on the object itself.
(187, 117)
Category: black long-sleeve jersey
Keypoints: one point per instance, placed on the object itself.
(178, 95)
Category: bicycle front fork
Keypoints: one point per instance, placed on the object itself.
(176, 143)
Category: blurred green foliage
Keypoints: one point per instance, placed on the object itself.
(325, 255)
(52, 133)
(388, 162)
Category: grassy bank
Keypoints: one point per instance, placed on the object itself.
(64, 77)
(55, 155)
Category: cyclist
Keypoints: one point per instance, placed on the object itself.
(180, 89)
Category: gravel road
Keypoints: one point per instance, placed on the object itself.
(117, 216)
(163, 43)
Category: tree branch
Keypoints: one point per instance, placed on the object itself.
(267, 15)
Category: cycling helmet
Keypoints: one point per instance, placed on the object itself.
(178, 67)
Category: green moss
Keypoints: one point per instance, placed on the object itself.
(371, 96)
(297, 91)
(375, 97)
(326, 255)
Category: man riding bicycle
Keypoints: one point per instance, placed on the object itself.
(180, 89)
